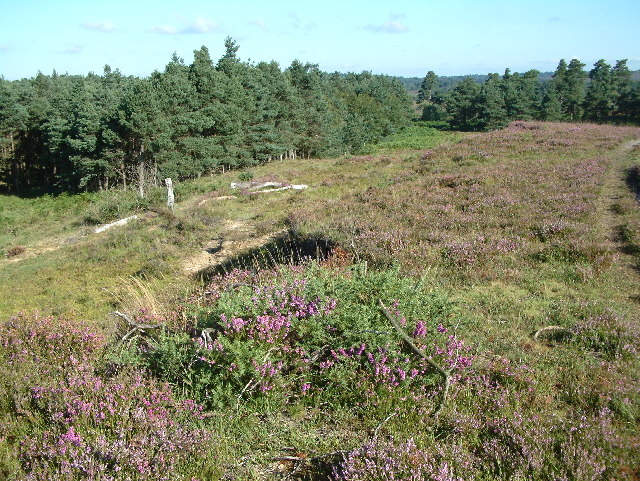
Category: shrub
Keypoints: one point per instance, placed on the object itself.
(87, 425)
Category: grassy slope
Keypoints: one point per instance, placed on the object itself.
(523, 228)
(67, 270)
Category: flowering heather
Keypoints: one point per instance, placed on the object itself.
(533, 196)
(386, 460)
(487, 446)
(284, 337)
(95, 427)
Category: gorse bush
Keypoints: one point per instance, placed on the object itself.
(286, 337)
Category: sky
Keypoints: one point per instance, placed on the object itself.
(402, 37)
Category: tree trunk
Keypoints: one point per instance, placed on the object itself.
(123, 173)
(14, 166)
(16, 175)
(141, 172)
(155, 173)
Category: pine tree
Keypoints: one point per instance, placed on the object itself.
(573, 90)
(599, 100)
(551, 108)
(463, 106)
(427, 87)
(491, 105)
(622, 86)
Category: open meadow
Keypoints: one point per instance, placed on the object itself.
(447, 307)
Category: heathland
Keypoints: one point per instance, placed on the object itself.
(449, 306)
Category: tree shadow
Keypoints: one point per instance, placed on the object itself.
(632, 179)
(287, 249)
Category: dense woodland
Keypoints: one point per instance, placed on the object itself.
(70, 132)
(604, 94)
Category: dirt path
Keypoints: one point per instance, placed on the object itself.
(236, 238)
(239, 237)
(615, 190)
(48, 244)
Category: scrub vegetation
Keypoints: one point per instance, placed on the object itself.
(468, 310)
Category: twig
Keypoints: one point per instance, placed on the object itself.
(136, 330)
(241, 284)
(375, 432)
(137, 325)
(446, 375)
(252, 382)
(289, 458)
(368, 331)
(316, 355)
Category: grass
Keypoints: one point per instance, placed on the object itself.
(73, 271)
(292, 371)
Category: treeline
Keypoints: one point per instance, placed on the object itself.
(69, 132)
(448, 82)
(604, 94)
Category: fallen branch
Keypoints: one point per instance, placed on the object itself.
(255, 188)
(267, 191)
(289, 458)
(375, 432)
(136, 329)
(446, 375)
(124, 221)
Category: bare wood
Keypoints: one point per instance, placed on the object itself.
(136, 325)
(446, 376)
(170, 197)
(375, 432)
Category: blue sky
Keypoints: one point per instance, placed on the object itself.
(404, 37)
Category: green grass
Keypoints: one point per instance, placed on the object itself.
(490, 237)
(418, 135)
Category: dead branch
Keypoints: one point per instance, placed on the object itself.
(136, 325)
(316, 355)
(446, 375)
(206, 337)
(241, 284)
(136, 329)
(375, 432)
(289, 458)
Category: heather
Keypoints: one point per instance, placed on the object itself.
(507, 260)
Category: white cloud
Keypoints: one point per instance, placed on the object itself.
(199, 25)
(392, 26)
(4, 47)
(164, 29)
(104, 27)
(72, 49)
(293, 15)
